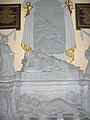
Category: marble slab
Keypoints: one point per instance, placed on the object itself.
(49, 27)
(59, 75)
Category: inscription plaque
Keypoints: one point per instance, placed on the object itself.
(10, 16)
(82, 16)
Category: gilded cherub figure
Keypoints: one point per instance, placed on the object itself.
(69, 6)
(28, 8)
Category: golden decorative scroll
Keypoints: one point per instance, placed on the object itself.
(26, 47)
(70, 54)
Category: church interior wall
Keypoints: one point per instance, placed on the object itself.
(82, 45)
(79, 60)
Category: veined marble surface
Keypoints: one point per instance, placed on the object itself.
(49, 27)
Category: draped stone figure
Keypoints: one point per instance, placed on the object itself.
(42, 62)
(6, 57)
(57, 106)
(33, 106)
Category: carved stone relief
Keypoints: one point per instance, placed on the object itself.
(49, 27)
(49, 110)
(3, 102)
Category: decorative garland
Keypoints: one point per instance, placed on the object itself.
(26, 47)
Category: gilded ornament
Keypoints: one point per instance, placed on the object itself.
(69, 6)
(70, 54)
(26, 47)
(28, 8)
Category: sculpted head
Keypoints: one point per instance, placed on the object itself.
(4, 39)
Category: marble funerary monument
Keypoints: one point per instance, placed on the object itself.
(49, 86)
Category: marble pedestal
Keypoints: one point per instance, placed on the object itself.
(46, 87)
(7, 104)
(76, 91)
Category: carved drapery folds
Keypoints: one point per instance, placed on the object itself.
(28, 38)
